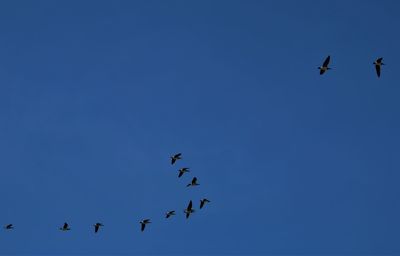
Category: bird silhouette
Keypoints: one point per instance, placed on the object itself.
(203, 202)
(144, 223)
(175, 158)
(378, 64)
(324, 66)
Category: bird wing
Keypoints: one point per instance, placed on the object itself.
(173, 160)
(321, 71)
(65, 225)
(201, 203)
(178, 155)
(378, 70)
(187, 214)
(379, 60)
(143, 226)
(9, 226)
(326, 62)
(180, 174)
(189, 208)
(194, 180)
(96, 228)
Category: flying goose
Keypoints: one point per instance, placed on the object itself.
(169, 214)
(9, 226)
(144, 222)
(182, 171)
(175, 157)
(203, 202)
(189, 209)
(324, 66)
(193, 183)
(97, 226)
(65, 227)
(378, 63)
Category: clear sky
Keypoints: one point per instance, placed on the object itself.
(96, 95)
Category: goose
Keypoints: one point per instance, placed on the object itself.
(203, 202)
(65, 227)
(189, 209)
(378, 63)
(324, 66)
(97, 226)
(175, 157)
(182, 171)
(193, 183)
(169, 214)
(144, 222)
(9, 226)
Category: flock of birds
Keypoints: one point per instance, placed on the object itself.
(378, 64)
(188, 210)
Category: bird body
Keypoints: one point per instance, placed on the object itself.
(189, 210)
(182, 171)
(176, 157)
(193, 183)
(324, 67)
(144, 223)
(65, 227)
(378, 64)
(169, 214)
(9, 226)
(97, 226)
(203, 202)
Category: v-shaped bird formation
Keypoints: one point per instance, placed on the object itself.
(143, 223)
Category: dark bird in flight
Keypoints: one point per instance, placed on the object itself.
(97, 226)
(193, 183)
(378, 63)
(176, 157)
(324, 66)
(65, 227)
(9, 226)
(144, 222)
(203, 202)
(182, 171)
(189, 209)
(169, 214)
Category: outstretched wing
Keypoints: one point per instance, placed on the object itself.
(189, 207)
(378, 70)
(173, 160)
(326, 62)
(143, 226)
(321, 71)
(180, 174)
(96, 228)
(177, 155)
(202, 203)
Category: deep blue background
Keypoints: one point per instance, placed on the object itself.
(96, 95)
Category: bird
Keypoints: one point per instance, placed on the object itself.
(65, 227)
(169, 214)
(97, 226)
(203, 202)
(182, 171)
(189, 209)
(193, 183)
(9, 226)
(144, 222)
(176, 157)
(324, 66)
(378, 63)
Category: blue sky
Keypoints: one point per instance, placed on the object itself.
(96, 95)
